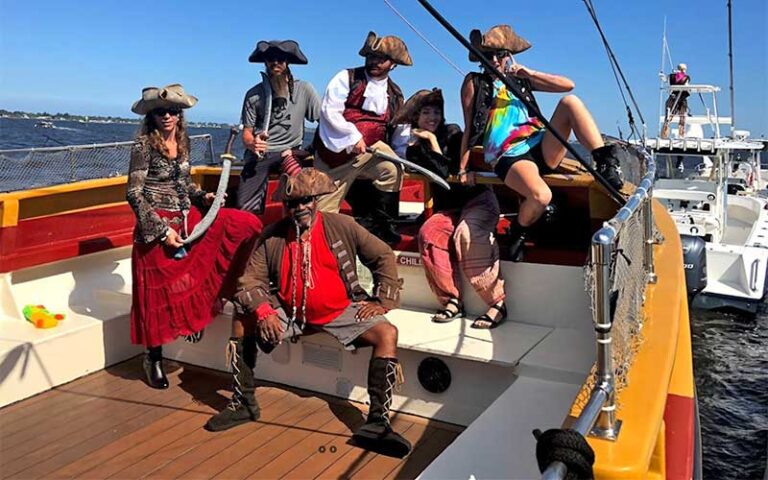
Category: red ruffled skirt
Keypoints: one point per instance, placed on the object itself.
(179, 297)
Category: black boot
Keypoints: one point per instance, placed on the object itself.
(518, 235)
(377, 434)
(153, 368)
(384, 213)
(243, 406)
(607, 163)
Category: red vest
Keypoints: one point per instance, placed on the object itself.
(372, 126)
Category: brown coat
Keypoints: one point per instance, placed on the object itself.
(347, 241)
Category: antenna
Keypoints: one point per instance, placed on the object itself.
(730, 61)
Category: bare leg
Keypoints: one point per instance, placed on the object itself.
(524, 178)
(383, 338)
(570, 115)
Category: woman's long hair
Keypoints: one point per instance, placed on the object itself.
(151, 129)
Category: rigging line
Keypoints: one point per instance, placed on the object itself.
(612, 57)
(426, 40)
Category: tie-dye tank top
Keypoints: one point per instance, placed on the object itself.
(510, 131)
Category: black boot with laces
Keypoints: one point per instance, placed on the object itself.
(243, 407)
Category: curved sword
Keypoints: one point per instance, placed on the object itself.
(267, 86)
(409, 164)
(210, 216)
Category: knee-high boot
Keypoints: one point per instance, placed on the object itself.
(377, 434)
(153, 368)
(384, 213)
(607, 163)
(243, 406)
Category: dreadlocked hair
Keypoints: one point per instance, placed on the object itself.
(289, 74)
(151, 129)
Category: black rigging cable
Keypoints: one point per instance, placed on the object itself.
(617, 72)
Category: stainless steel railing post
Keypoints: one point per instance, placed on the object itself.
(649, 238)
(603, 245)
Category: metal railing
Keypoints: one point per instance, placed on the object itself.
(598, 417)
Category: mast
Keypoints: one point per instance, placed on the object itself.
(730, 61)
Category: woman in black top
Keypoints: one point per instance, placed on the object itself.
(459, 236)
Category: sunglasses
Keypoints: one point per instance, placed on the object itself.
(295, 202)
(160, 112)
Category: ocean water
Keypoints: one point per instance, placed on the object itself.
(730, 351)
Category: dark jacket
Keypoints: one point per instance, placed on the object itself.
(445, 165)
(347, 240)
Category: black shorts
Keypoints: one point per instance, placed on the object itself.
(535, 155)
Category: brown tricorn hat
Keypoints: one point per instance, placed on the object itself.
(500, 37)
(411, 108)
(170, 96)
(289, 48)
(390, 46)
(309, 182)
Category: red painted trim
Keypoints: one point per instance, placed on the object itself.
(47, 239)
(679, 422)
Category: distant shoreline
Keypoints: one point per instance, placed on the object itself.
(66, 117)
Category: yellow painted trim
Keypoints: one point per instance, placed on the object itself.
(9, 212)
(682, 382)
(65, 188)
(642, 402)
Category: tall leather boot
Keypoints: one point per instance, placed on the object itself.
(243, 406)
(607, 163)
(385, 212)
(518, 235)
(153, 368)
(377, 434)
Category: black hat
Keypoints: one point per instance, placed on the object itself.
(288, 47)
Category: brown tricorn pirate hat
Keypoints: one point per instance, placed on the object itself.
(289, 48)
(500, 37)
(389, 46)
(409, 111)
(170, 96)
(309, 182)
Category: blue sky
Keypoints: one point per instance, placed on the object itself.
(93, 57)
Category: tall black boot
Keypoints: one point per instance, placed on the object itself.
(153, 368)
(518, 235)
(385, 211)
(607, 163)
(243, 406)
(377, 434)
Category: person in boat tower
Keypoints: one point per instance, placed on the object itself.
(677, 103)
(356, 113)
(310, 257)
(277, 146)
(172, 296)
(460, 235)
(515, 144)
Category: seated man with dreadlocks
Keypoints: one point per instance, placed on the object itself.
(310, 257)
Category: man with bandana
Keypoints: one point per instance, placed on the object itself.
(356, 113)
(274, 147)
(310, 257)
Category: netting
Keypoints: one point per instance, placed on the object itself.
(23, 169)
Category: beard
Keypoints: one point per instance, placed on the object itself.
(280, 84)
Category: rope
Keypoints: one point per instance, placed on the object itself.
(426, 40)
(616, 72)
(233, 360)
(568, 447)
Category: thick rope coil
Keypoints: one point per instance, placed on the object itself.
(567, 446)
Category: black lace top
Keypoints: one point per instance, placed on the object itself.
(157, 182)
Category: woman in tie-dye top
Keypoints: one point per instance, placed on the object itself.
(515, 143)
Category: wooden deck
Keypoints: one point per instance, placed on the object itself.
(111, 425)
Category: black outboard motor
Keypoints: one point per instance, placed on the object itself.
(694, 263)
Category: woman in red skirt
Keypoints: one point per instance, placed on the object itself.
(174, 296)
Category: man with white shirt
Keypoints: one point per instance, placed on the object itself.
(356, 113)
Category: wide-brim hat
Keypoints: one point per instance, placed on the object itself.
(289, 47)
(500, 37)
(309, 182)
(418, 100)
(170, 96)
(389, 46)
